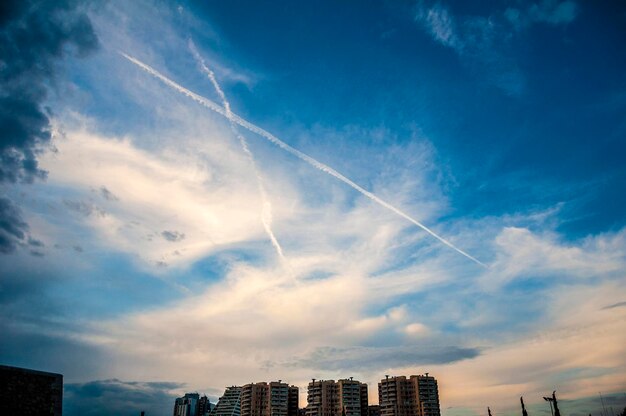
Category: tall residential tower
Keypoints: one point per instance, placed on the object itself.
(229, 404)
(269, 399)
(342, 398)
(415, 396)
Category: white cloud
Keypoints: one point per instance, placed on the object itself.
(441, 25)
(356, 276)
(522, 253)
(259, 324)
(485, 42)
(209, 196)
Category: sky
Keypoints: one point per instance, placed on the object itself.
(200, 194)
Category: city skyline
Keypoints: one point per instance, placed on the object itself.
(199, 194)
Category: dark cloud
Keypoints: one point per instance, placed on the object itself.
(376, 358)
(615, 305)
(85, 208)
(108, 397)
(173, 235)
(40, 348)
(108, 195)
(34, 36)
(35, 243)
(13, 228)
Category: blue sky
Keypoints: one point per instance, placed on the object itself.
(151, 245)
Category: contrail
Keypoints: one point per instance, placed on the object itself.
(275, 140)
(266, 206)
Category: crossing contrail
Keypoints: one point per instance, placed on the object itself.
(266, 205)
(275, 140)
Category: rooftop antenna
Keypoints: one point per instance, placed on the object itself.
(488, 410)
(602, 400)
(556, 406)
(524, 412)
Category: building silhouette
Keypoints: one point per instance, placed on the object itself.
(30, 392)
(204, 406)
(415, 396)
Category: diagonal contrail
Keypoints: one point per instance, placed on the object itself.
(266, 208)
(275, 140)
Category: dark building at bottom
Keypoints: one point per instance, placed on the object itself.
(30, 392)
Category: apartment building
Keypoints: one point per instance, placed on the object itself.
(229, 404)
(413, 396)
(336, 398)
(269, 399)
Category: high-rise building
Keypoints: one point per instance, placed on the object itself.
(350, 397)
(342, 398)
(255, 399)
(415, 396)
(204, 406)
(229, 404)
(322, 398)
(364, 400)
(187, 405)
(269, 399)
(428, 395)
(293, 401)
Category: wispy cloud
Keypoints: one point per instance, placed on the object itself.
(486, 42)
(155, 195)
(440, 24)
(615, 305)
(367, 295)
(553, 12)
(266, 205)
(313, 162)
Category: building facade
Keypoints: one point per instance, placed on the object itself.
(204, 406)
(269, 399)
(428, 395)
(336, 398)
(373, 410)
(364, 400)
(229, 404)
(187, 405)
(413, 396)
